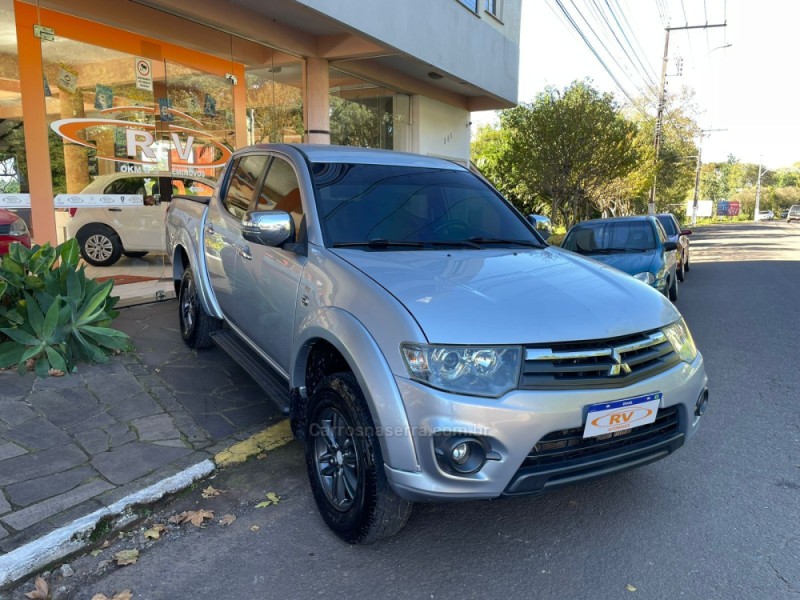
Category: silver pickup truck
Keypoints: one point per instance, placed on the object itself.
(426, 341)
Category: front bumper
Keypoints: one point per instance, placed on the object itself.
(513, 424)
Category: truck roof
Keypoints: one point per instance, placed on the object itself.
(325, 153)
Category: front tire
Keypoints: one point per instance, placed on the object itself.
(99, 245)
(196, 325)
(673, 290)
(345, 465)
(679, 272)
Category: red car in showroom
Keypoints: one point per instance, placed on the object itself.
(12, 229)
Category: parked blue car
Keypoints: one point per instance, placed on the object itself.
(636, 245)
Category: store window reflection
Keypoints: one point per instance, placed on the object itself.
(14, 190)
(275, 101)
(367, 115)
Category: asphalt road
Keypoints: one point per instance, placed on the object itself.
(719, 519)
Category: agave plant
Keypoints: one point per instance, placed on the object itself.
(51, 313)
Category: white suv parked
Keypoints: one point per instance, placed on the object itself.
(105, 234)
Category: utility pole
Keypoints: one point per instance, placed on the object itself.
(651, 206)
(697, 183)
(758, 191)
(697, 173)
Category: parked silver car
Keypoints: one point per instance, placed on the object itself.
(426, 342)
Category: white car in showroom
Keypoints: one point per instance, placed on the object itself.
(106, 233)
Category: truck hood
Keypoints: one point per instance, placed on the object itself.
(629, 262)
(508, 296)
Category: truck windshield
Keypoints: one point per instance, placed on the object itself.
(400, 207)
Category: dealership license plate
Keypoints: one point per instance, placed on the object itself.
(621, 415)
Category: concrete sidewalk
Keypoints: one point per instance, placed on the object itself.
(72, 445)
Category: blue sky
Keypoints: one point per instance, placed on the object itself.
(749, 88)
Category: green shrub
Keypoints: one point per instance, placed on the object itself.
(51, 314)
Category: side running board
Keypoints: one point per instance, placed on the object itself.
(265, 376)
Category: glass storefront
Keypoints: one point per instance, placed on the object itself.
(13, 164)
(125, 132)
(365, 114)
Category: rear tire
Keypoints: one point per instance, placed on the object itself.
(673, 290)
(196, 325)
(345, 465)
(134, 254)
(99, 245)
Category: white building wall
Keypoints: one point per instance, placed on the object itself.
(443, 33)
(439, 129)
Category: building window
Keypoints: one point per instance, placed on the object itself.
(470, 4)
(493, 7)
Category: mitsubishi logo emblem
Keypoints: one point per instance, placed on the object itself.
(618, 367)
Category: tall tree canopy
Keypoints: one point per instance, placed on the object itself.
(576, 154)
(565, 146)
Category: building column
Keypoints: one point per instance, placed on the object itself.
(316, 108)
(37, 149)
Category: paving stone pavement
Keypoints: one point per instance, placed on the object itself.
(71, 445)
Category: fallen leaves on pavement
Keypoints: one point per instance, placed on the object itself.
(126, 557)
(210, 492)
(255, 528)
(42, 591)
(227, 519)
(272, 498)
(96, 552)
(195, 517)
(155, 531)
(123, 595)
(630, 588)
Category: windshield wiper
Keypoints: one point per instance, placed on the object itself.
(467, 243)
(379, 243)
(488, 240)
(616, 250)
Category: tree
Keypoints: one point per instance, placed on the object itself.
(562, 149)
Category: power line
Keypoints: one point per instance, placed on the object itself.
(597, 55)
(639, 69)
(611, 54)
(649, 66)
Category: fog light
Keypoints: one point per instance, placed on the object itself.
(460, 453)
(702, 404)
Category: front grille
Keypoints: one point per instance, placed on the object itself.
(563, 448)
(5, 229)
(614, 362)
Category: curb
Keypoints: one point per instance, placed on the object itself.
(272, 437)
(72, 538)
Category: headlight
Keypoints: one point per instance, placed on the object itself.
(680, 338)
(471, 370)
(646, 277)
(18, 228)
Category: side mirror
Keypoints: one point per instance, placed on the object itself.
(268, 228)
(542, 225)
(670, 246)
(686, 232)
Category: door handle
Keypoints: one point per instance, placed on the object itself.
(244, 252)
(115, 210)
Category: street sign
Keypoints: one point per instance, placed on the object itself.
(144, 74)
(723, 206)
